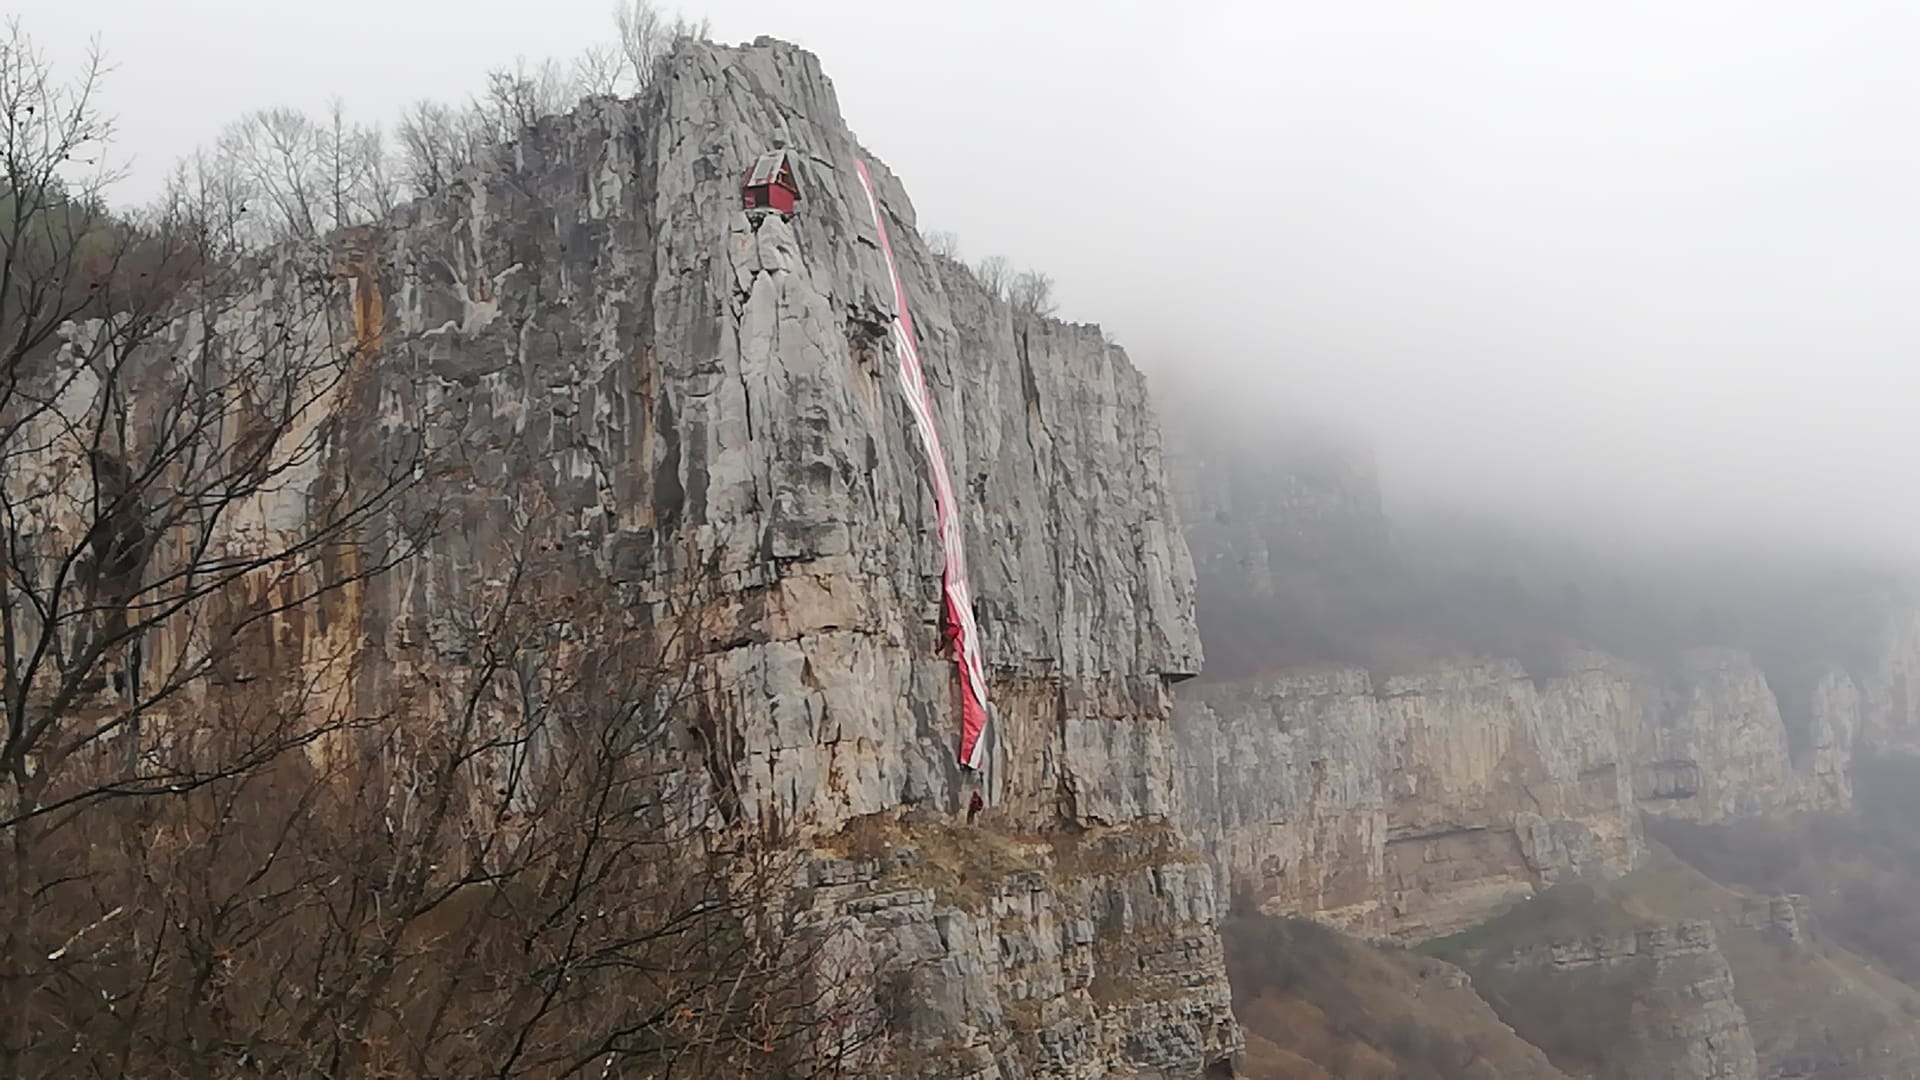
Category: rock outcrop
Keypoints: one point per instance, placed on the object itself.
(1783, 918)
(1416, 803)
(708, 399)
(1657, 1003)
(1432, 802)
(1090, 956)
(706, 404)
(605, 356)
(1715, 746)
(1667, 973)
(1414, 811)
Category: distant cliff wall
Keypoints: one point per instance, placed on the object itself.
(1435, 791)
(1657, 1003)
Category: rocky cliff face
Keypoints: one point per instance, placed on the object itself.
(708, 398)
(1415, 810)
(1665, 972)
(705, 402)
(1887, 698)
(1657, 1003)
(1431, 802)
(610, 359)
(1089, 956)
(1419, 803)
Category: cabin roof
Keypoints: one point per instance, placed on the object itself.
(771, 168)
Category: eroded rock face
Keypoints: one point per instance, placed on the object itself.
(1426, 801)
(1889, 693)
(1441, 799)
(704, 402)
(1784, 918)
(1717, 747)
(1280, 782)
(1416, 810)
(1655, 1004)
(1093, 960)
(611, 358)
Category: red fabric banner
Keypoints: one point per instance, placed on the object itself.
(959, 630)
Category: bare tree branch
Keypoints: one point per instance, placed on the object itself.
(1031, 294)
(647, 37)
(523, 857)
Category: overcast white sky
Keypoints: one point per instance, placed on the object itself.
(1636, 265)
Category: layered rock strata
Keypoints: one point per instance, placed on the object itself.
(606, 357)
(1654, 1004)
(710, 404)
(1429, 803)
(1416, 803)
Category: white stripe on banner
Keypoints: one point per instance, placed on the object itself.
(958, 598)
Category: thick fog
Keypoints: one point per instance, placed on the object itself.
(1640, 269)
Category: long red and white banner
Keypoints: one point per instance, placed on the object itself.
(962, 632)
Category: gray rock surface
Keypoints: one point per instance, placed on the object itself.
(711, 394)
(1433, 802)
(1659, 1002)
(612, 359)
(1418, 803)
(1096, 958)
(1414, 810)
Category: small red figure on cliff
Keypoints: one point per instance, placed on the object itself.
(975, 805)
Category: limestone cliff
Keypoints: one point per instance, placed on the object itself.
(708, 399)
(1655, 1003)
(1430, 802)
(1436, 791)
(1664, 972)
(1414, 811)
(605, 356)
(706, 404)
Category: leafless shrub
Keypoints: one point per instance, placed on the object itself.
(1031, 294)
(995, 274)
(508, 878)
(944, 244)
(600, 71)
(217, 856)
(159, 419)
(519, 97)
(647, 36)
(437, 142)
(298, 179)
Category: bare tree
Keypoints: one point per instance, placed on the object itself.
(275, 154)
(511, 876)
(55, 216)
(995, 274)
(437, 142)
(163, 420)
(944, 244)
(217, 856)
(298, 179)
(519, 97)
(1031, 294)
(361, 185)
(208, 200)
(600, 71)
(647, 36)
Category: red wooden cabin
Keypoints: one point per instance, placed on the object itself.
(770, 184)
